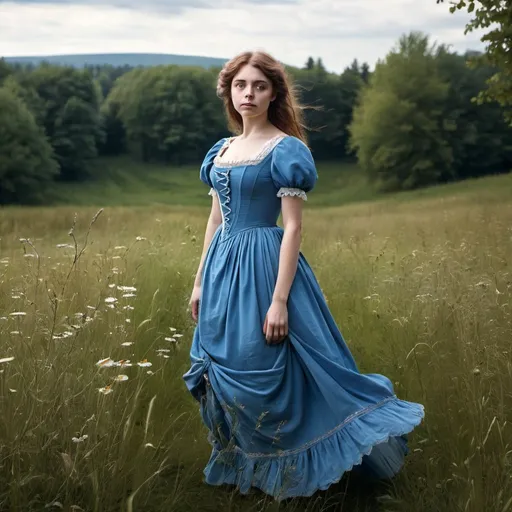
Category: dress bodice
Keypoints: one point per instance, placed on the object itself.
(250, 191)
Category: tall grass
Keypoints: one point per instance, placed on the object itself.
(420, 289)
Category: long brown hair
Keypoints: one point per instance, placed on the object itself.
(285, 112)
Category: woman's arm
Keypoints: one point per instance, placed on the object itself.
(214, 221)
(276, 322)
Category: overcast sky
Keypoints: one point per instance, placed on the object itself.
(335, 30)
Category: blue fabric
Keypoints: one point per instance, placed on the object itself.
(290, 418)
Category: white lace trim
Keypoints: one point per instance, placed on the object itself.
(285, 191)
(265, 150)
(224, 194)
(212, 192)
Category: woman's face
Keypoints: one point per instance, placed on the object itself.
(251, 92)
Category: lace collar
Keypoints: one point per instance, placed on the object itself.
(264, 152)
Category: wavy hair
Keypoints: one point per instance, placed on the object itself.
(285, 112)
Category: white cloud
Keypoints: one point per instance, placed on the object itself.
(335, 30)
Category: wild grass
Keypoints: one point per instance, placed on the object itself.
(125, 182)
(420, 285)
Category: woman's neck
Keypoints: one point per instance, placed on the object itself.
(256, 127)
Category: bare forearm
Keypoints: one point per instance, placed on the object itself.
(211, 227)
(288, 259)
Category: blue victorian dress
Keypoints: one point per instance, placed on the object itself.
(288, 418)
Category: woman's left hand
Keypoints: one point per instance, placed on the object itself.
(275, 326)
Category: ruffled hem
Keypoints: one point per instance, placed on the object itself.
(374, 441)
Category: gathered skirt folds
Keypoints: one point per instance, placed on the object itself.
(288, 418)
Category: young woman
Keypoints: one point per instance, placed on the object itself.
(287, 410)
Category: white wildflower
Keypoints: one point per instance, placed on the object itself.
(80, 439)
(106, 363)
(127, 288)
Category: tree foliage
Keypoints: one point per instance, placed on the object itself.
(411, 122)
(27, 165)
(495, 18)
(397, 129)
(169, 112)
(415, 124)
(66, 103)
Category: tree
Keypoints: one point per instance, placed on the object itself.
(28, 94)
(397, 129)
(365, 72)
(320, 68)
(480, 139)
(329, 100)
(75, 138)
(310, 64)
(27, 165)
(70, 115)
(5, 70)
(496, 17)
(115, 133)
(170, 113)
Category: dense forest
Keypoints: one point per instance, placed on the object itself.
(410, 122)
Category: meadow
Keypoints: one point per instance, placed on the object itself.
(95, 330)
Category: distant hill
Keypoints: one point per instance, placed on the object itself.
(121, 59)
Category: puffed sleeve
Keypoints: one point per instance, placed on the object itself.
(206, 166)
(293, 168)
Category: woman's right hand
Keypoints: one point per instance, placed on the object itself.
(194, 301)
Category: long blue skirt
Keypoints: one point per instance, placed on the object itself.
(288, 418)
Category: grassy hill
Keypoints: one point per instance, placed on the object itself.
(121, 59)
(125, 182)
